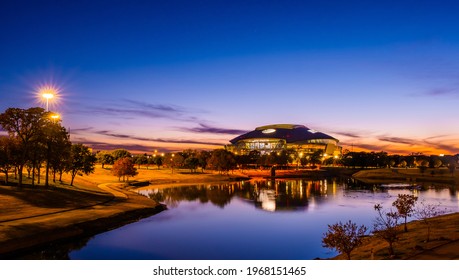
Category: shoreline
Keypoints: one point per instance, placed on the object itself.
(412, 245)
(27, 244)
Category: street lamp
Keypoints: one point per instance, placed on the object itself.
(47, 94)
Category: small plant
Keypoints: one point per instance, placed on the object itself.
(344, 237)
(405, 206)
(426, 211)
(386, 226)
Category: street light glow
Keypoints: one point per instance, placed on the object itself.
(48, 95)
(48, 92)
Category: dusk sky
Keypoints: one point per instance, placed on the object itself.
(171, 75)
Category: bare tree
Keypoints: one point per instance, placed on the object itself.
(425, 212)
(344, 237)
(386, 225)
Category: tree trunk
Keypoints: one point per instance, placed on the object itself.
(391, 249)
(54, 175)
(48, 155)
(60, 176)
(20, 175)
(73, 177)
(33, 175)
(38, 173)
(406, 228)
(6, 177)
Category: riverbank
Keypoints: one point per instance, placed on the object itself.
(412, 245)
(434, 175)
(33, 217)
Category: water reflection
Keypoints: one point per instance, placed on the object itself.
(257, 219)
(269, 195)
(285, 195)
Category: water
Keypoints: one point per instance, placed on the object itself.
(250, 220)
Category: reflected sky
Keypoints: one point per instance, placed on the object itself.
(229, 221)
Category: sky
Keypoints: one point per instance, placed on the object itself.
(171, 75)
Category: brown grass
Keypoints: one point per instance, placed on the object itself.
(443, 244)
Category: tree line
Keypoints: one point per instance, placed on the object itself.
(35, 141)
(383, 160)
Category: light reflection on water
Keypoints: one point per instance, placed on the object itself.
(249, 220)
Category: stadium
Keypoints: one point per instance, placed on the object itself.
(281, 137)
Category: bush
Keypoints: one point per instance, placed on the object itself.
(344, 237)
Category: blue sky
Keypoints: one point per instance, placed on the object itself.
(170, 75)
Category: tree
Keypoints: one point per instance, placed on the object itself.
(124, 167)
(61, 149)
(222, 160)
(405, 206)
(8, 148)
(104, 158)
(385, 226)
(423, 164)
(174, 160)
(344, 237)
(315, 158)
(203, 157)
(140, 159)
(158, 161)
(82, 161)
(24, 125)
(192, 163)
(57, 145)
(425, 212)
(120, 153)
(452, 167)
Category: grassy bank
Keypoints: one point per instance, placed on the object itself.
(443, 244)
(408, 175)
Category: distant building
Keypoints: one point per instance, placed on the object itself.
(282, 137)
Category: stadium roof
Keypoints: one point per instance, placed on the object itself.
(290, 132)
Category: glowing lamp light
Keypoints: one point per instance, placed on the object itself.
(48, 93)
(55, 117)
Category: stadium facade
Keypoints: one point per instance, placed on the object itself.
(284, 137)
